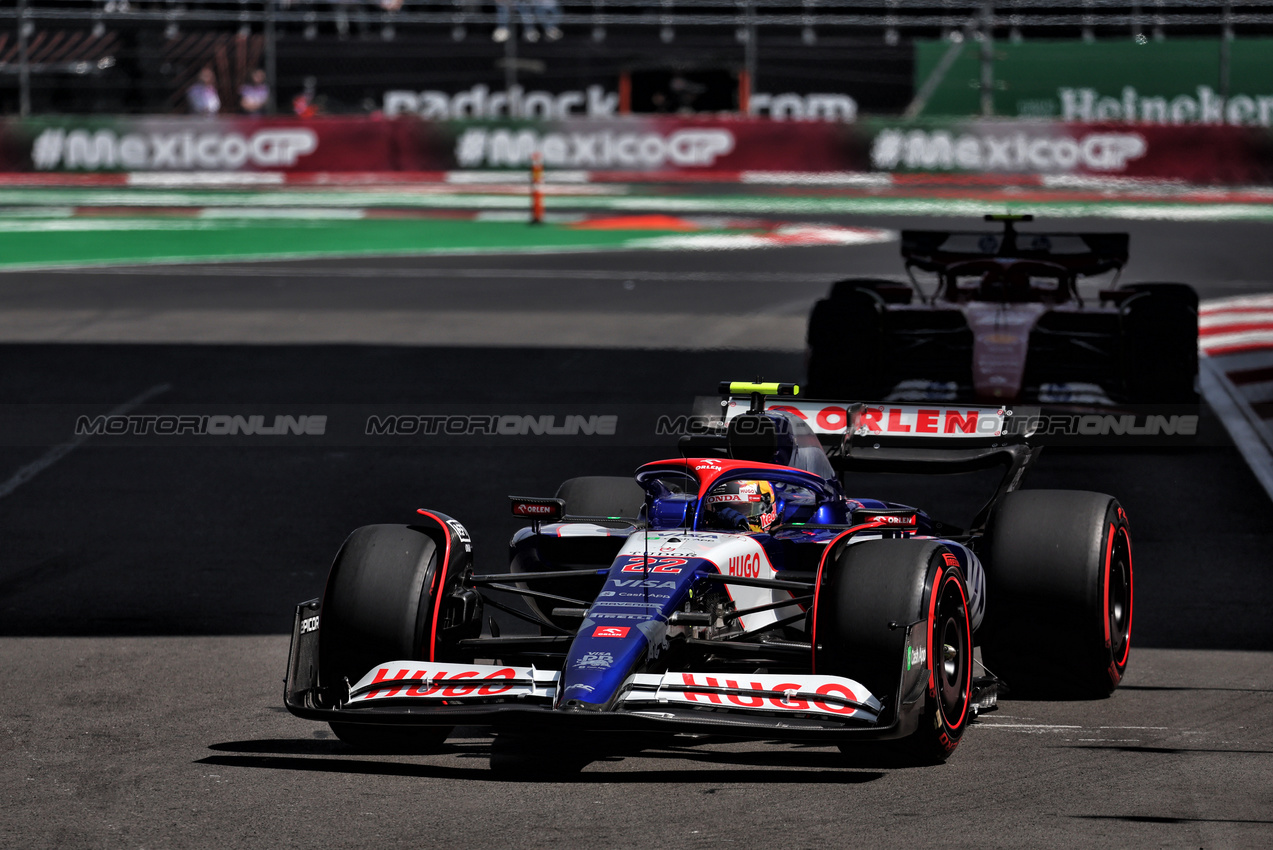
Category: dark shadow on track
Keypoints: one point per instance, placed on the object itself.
(1162, 751)
(203, 541)
(1166, 820)
(1180, 688)
(808, 774)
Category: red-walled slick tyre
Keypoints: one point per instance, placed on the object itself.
(378, 607)
(1058, 594)
(869, 593)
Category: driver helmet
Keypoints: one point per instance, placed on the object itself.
(752, 501)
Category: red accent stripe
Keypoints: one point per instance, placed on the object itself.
(58, 179)
(932, 613)
(817, 587)
(1235, 328)
(1220, 311)
(1238, 348)
(1130, 596)
(439, 574)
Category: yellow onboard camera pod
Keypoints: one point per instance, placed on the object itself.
(757, 390)
(749, 387)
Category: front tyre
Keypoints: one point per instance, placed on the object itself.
(378, 606)
(950, 650)
(868, 594)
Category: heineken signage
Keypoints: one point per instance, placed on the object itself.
(1177, 82)
(1204, 107)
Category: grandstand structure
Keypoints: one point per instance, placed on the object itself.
(717, 56)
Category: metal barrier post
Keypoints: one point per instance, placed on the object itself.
(536, 188)
(749, 58)
(24, 66)
(987, 59)
(271, 59)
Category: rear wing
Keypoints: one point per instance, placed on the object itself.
(1078, 253)
(926, 423)
(869, 437)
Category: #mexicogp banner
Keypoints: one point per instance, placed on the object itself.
(680, 147)
(405, 144)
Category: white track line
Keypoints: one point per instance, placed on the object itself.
(983, 724)
(53, 455)
(1249, 433)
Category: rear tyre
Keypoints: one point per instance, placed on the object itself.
(1059, 584)
(845, 345)
(1160, 343)
(1181, 292)
(588, 496)
(602, 496)
(876, 583)
(377, 607)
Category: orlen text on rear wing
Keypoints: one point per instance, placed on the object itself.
(949, 424)
(1078, 253)
(916, 438)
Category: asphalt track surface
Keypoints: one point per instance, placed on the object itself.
(146, 592)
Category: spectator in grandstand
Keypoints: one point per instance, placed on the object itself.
(305, 104)
(343, 9)
(503, 13)
(548, 15)
(543, 13)
(254, 94)
(685, 92)
(202, 95)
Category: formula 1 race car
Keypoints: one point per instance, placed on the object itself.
(735, 590)
(1006, 322)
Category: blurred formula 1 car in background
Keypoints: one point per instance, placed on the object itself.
(1006, 322)
(735, 590)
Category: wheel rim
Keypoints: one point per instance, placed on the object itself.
(1119, 608)
(953, 665)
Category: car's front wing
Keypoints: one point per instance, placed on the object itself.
(417, 693)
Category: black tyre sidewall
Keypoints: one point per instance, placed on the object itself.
(942, 726)
(1181, 292)
(602, 496)
(589, 495)
(1050, 561)
(845, 339)
(1160, 347)
(878, 582)
(377, 603)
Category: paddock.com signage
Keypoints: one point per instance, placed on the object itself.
(649, 147)
(481, 101)
(1174, 82)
